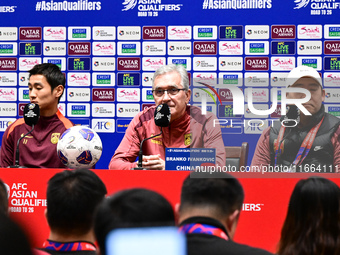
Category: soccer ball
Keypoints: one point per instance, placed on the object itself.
(79, 147)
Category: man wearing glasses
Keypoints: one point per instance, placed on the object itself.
(188, 127)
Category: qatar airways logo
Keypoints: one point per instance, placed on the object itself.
(83, 48)
(256, 63)
(154, 33)
(30, 33)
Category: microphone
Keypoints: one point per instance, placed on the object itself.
(292, 117)
(162, 117)
(31, 117)
(31, 114)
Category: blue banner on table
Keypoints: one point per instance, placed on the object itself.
(186, 159)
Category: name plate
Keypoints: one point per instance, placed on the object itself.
(187, 159)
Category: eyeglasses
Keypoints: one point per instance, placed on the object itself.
(160, 92)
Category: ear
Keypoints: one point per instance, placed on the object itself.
(177, 206)
(58, 90)
(232, 222)
(45, 213)
(188, 95)
(323, 95)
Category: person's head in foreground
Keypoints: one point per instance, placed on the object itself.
(72, 198)
(3, 198)
(13, 241)
(208, 214)
(46, 86)
(171, 87)
(312, 224)
(217, 198)
(307, 78)
(131, 208)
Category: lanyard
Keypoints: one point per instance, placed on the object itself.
(305, 146)
(69, 246)
(196, 228)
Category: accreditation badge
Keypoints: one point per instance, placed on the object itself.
(282, 145)
(55, 138)
(187, 139)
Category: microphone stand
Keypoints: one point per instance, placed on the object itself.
(140, 155)
(17, 151)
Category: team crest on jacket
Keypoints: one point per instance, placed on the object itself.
(187, 139)
(55, 138)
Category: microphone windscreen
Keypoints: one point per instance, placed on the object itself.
(31, 114)
(292, 112)
(162, 115)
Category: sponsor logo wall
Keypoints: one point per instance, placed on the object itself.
(122, 59)
(109, 50)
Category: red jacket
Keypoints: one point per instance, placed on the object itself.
(192, 130)
(38, 149)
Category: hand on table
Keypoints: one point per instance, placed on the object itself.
(153, 162)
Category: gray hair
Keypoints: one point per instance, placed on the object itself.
(173, 68)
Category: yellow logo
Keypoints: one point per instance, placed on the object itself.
(187, 139)
(55, 138)
(156, 141)
(27, 136)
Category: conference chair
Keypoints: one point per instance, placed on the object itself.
(237, 155)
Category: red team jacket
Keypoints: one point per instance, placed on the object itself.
(38, 149)
(192, 130)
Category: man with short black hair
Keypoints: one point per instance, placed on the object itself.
(131, 208)
(39, 149)
(72, 198)
(209, 213)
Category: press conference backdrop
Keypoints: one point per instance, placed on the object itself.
(109, 50)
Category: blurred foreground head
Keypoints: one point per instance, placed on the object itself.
(12, 239)
(131, 208)
(312, 224)
(72, 198)
(217, 198)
